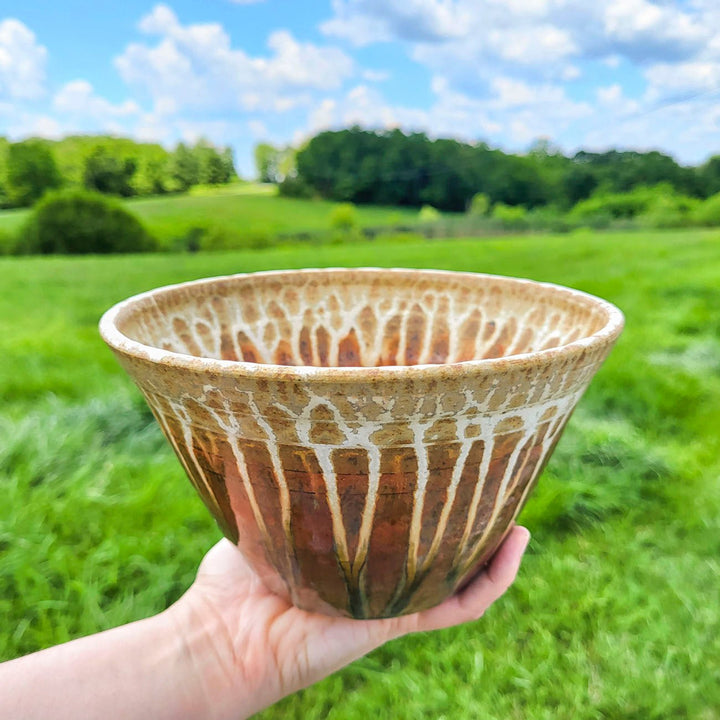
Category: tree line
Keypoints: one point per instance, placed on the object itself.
(110, 165)
(396, 168)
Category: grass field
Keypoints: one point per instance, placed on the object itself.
(234, 209)
(616, 613)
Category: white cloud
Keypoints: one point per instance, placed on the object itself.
(512, 93)
(196, 66)
(258, 129)
(376, 75)
(514, 113)
(505, 71)
(641, 25)
(609, 95)
(682, 129)
(78, 99)
(570, 72)
(22, 62)
(362, 105)
(44, 126)
(161, 20)
(612, 102)
(466, 39)
(75, 107)
(500, 67)
(365, 21)
(682, 79)
(303, 64)
(528, 45)
(18, 122)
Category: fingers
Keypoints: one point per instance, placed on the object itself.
(474, 600)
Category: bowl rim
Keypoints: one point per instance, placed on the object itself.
(125, 345)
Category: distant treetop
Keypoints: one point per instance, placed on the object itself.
(106, 164)
(398, 168)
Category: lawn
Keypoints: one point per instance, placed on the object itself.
(234, 209)
(616, 613)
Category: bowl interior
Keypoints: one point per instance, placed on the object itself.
(360, 318)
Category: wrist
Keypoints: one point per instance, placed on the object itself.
(205, 649)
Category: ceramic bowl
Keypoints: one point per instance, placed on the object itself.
(366, 437)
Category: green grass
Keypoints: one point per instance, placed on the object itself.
(12, 220)
(234, 209)
(616, 613)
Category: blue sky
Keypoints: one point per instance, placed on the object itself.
(627, 73)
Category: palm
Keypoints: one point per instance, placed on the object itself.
(274, 648)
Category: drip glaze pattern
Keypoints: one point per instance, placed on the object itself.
(366, 437)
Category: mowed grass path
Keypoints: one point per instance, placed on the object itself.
(616, 613)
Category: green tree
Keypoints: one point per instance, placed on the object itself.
(213, 168)
(185, 167)
(579, 182)
(394, 168)
(708, 176)
(275, 164)
(228, 163)
(267, 163)
(152, 176)
(109, 174)
(31, 171)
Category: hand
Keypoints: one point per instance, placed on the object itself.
(253, 648)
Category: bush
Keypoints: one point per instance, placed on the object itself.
(399, 237)
(708, 212)
(76, 222)
(344, 217)
(511, 217)
(479, 205)
(664, 206)
(549, 218)
(214, 238)
(295, 187)
(670, 211)
(428, 214)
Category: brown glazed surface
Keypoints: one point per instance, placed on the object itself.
(366, 437)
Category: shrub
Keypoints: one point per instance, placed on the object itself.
(399, 237)
(708, 212)
(549, 218)
(344, 217)
(479, 205)
(661, 203)
(428, 214)
(610, 206)
(295, 187)
(670, 211)
(214, 237)
(257, 238)
(511, 217)
(76, 222)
